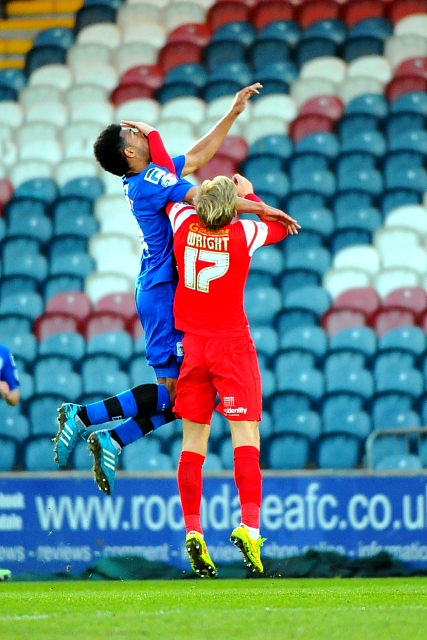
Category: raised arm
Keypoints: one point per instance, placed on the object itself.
(205, 149)
(158, 152)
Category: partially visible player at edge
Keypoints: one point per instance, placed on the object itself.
(213, 257)
(148, 186)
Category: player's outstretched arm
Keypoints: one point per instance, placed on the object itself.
(260, 208)
(11, 397)
(205, 149)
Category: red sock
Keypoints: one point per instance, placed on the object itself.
(190, 485)
(248, 478)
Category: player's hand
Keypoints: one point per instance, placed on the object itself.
(141, 127)
(276, 215)
(242, 97)
(243, 185)
(4, 388)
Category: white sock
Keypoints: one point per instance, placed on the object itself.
(253, 532)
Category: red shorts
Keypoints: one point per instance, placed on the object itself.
(225, 366)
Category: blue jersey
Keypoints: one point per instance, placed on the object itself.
(8, 370)
(147, 194)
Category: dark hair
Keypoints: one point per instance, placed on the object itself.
(109, 150)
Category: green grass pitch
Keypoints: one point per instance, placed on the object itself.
(313, 609)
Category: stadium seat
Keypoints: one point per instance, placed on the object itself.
(104, 382)
(357, 382)
(100, 322)
(70, 344)
(400, 380)
(310, 339)
(287, 451)
(364, 299)
(344, 358)
(398, 462)
(43, 414)
(387, 319)
(38, 454)
(308, 383)
(394, 278)
(26, 305)
(337, 320)
(75, 304)
(403, 339)
(338, 417)
(262, 304)
(49, 324)
(115, 343)
(15, 426)
(338, 451)
(9, 455)
(357, 46)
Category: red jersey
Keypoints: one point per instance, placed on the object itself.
(213, 267)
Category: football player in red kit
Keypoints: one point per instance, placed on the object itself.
(213, 255)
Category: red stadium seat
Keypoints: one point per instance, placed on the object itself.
(199, 34)
(235, 148)
(401, 8)
(176, 53)
(72, 303)
(314, 10)
(219, 165)
(6, 193)
(228, 11)
(266, 12)
(134, 327)
(404, 84)
(422, 321)
(101, 322)
(336, 320)
(392, 318)
(121, 304)
(50, 323)
(148, 75)
(356, 10)
(329, 106)
(365, 299)
(305, 125)
(124, 93)
(412, 67)
(412, 298)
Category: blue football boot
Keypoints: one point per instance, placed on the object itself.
(70, 429)
(106, 458)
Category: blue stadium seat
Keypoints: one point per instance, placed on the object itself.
(267, 51)
(88, 15)
(414, 102)
(371, 104)
(310, 47)
(357, 46)
(275, 183)
(67, 244)
(409, 141)
(306, 423)
(331, 29)
(376, 27)
(344, 358)
(315, 299)
(266, 340)
(41, 55)
(262, 305)
(323, 142)
(321, 182)
(90, 187)
(56, 36)
(279, 74)
(338, 417)
(16, 427)
(294, 360)
(389, 404)
(115, 343)
(354, 124)
(289, 319)
(316, 259)
(45, 366)
(423, 451)
(39, 188)
(311, 339)
(236, 71)
(178, 89)
(288, 30)
(15, 247)
(239, 31)
(277, 145)
(28, 216)
(398, 462)
(9, 453)
(226, 454)
(140, 372)
(213, 462)
(396, 420)
(341, 404)
(298, 202)
(365, 180)
(38, 454)
(398, 122)
(27, 305)
(293, 279)
(67, 385)
(407, 339)
(400, 380)
(406, 178)
(59, 284)
(28, 265)
(317, 224)
(106, 382)
(269, 386)
(352, 201)
(223, 52)
(257, 166)
(219, 88)
(68, 344)
(304, 162)
(308, 383)
(393, 198)
(43, 413)
(287, 403)
(372, 142)
(368, 219)
(74, 215)
(81, 459)
(396, 161)
(343, 238)
(338, 451)
(404, 361)
(14, 323)
(145, 455)
(72, 264)
(192, 74)
(389, 446)
(352, 382)
(13, 78)
(22, 345)
(290, 451)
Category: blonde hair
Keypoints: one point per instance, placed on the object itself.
(216, 202)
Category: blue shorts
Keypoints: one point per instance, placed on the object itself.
(163, 342)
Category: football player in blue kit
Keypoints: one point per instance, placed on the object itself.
(9, 378)
(150, 180)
